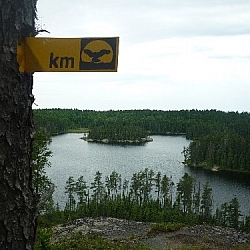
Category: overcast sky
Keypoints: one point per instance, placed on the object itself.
(173, 54)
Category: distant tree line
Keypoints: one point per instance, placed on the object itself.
(219, 138)
(193, 123)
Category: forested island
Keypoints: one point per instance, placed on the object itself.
(220, 140)
(123, 134)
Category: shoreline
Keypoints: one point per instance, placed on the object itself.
(119, 142)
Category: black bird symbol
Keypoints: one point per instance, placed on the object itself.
(96, 55)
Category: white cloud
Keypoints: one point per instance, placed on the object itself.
(173, 54)
(201, 59)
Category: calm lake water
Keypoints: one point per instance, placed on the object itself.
(75, 157)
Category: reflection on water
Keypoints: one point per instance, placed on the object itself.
(75, 157)
(225, 186)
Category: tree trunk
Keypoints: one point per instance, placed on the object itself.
(18, 202)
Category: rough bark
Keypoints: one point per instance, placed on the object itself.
(17, 199)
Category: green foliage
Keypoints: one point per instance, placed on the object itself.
(229, 214)
(94, 242)
(147, 197)
(184, 193)
(165, 227)
(81, 190)
(246, 225)
(234, 213)
(225, 150)
(51, 218)
(70, 189)
(43, 239)
(206, 203)
(98, 188)
(40, 161)
(221, 139)
(117, 133)
(139, 201)
(193, 123)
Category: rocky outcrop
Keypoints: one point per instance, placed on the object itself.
(106, 227)
(206, 237)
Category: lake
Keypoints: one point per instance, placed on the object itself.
(75, 157)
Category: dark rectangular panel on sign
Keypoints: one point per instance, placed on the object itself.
(99, 54)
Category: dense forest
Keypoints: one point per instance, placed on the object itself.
(148, 196)
(220, 139)
(118, 134)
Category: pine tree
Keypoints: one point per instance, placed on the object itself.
(184, 192)
(165, 188)
(98, 188)
(70, 189)
(197, 200)
(113, 184)
(158, 185)
(18, 201)
(206, 203)
(234, 213)
(81, 191)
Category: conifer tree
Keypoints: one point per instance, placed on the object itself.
(184, 192)
(165, 187)
(158, 185)
(206, 203)
(70, 189)
(98, 188)
(18, 201)
(81, 191)
(234, 213)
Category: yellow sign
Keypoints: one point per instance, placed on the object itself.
(68, 54)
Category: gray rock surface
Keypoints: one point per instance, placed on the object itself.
(206, 237)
